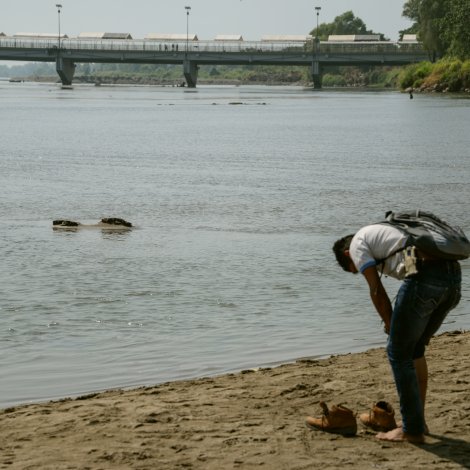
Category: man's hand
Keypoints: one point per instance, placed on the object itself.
(386, 329)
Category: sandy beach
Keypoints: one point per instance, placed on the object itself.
(251, 419)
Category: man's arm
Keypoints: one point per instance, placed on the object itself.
(379, 296)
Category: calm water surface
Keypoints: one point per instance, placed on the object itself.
(236, 208)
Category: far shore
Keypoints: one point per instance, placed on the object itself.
(145, 82)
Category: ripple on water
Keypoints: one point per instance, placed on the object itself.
(236, 208)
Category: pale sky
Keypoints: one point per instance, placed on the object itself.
(250, 18)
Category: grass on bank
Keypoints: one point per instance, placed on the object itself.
(448, 74)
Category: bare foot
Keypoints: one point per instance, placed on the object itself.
(397, 435)
(426, 429)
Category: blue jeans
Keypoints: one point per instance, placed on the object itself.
(422, 303)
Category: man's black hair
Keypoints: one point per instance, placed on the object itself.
(339, 248)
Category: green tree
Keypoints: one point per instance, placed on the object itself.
(442, 25)
(347, 23)
(456, 28)
(411, 11)
(431, 28)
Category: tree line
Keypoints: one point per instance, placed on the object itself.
(442, 25)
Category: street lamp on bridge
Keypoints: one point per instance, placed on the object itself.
(59, 7)
(316, 72)
(317, 9)
(187, 28)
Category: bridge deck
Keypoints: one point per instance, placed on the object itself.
(212, 46)
(211, 52)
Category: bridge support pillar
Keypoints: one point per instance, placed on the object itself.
(316, 74)
(190, 69)
(66, 69)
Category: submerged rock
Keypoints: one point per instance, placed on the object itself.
(116, 221)
(107, 223)
(65, 223)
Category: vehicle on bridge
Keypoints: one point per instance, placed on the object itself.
(410, 38)
(39, 36)
(171, 37)
(274, 38)
(110, 36)
(354, 37)
(229, 37)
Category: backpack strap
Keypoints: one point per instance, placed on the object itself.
(381, 262)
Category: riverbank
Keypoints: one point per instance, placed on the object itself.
(251, 419)
(446, 75)
(423, 88)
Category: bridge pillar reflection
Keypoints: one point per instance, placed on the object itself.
(66, 69)
(316, 74)
(190, 69)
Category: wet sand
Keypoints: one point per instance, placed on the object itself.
(251, 419)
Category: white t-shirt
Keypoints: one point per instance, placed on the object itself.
(377, 242)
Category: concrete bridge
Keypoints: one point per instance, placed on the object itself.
(192, 54)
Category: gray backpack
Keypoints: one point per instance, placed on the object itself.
(430, 234)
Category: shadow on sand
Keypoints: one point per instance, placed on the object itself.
(446, 448)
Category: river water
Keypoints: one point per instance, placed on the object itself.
(237, 194)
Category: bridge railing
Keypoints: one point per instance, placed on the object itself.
(212, 46)
(151, 45)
